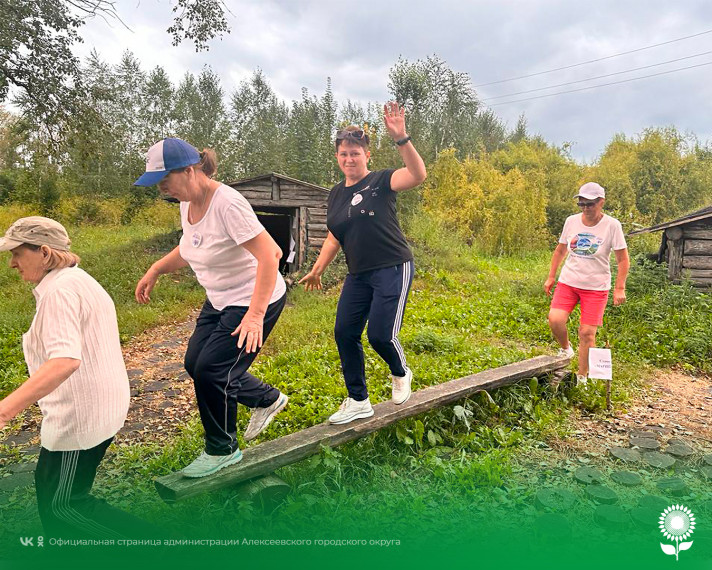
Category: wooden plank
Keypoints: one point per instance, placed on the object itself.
(697, 262)
(271, 455)
(313, 228)
(702, 282)
(675, 258)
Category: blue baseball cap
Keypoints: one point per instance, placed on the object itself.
(164, 156)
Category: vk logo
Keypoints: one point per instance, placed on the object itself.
(27, 540)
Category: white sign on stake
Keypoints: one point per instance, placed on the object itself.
(600, 363)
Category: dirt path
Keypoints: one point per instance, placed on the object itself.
(672, 405)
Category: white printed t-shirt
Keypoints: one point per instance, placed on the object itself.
(212, 247)
(76, 319)
(589, 247)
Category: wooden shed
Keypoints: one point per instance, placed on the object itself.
(292, 211)
(687, 246)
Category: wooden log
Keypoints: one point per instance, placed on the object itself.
(265, 493)
(271, 455)
(697, 262)
(317, 228)
(702, 282)
(675, 259)
(283, 203)
(698, 246)
(674, 233)
(317, 241)
(699, 273)
(253, 195)
(697, 232)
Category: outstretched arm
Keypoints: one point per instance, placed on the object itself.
(312, 280)
(414, 172)
(167, 264)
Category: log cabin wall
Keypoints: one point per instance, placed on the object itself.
(305, 204)
(689, 252)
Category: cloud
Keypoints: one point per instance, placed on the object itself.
(300, 44)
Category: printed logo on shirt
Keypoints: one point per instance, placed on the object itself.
(196, 239)
(356, 199)
(585, 244)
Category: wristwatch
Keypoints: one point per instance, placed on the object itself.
(403, 141)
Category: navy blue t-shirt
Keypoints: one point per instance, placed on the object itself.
(363, 219)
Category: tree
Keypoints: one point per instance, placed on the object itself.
(441, 104)
(259, 122)
(36, 55)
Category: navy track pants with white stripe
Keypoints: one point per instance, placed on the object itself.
(379, 297)
(63, 482)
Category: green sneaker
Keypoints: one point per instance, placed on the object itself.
(206, 464)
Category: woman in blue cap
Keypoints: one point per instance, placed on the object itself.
(237, 262)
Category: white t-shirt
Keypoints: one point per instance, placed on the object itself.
(213, 249)
(588, 264)
(76, 318)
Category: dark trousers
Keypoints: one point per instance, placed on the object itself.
(219, 372)
(379, 297)
(63, 482)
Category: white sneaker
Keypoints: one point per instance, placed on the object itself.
(581, 380)
(351, 410)
(566, 352)
(400, 386)
(208, 464)
(260, 418)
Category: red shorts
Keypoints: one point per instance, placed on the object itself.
(593, 303)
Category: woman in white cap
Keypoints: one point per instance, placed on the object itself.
(362, 220)
(78, 377)
(587, 239)
(237, 262)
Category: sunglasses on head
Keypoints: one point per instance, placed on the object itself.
(587, 204)
(348, 134)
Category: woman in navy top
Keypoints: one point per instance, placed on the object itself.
(361, 219)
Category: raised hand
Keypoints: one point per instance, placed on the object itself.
(394, 118)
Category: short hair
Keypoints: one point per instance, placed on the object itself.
(57, 259)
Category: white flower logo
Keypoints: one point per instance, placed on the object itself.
(676, 523)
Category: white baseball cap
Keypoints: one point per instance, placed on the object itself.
(591, 191)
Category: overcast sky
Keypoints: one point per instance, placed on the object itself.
(299, 43)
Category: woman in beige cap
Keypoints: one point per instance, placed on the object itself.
(77, 376)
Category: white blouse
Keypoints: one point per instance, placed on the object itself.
(76, 318)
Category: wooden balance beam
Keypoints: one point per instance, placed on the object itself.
(266, 457)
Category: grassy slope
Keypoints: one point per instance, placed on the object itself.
(466, 313)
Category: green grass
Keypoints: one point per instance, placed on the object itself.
(467, 312)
